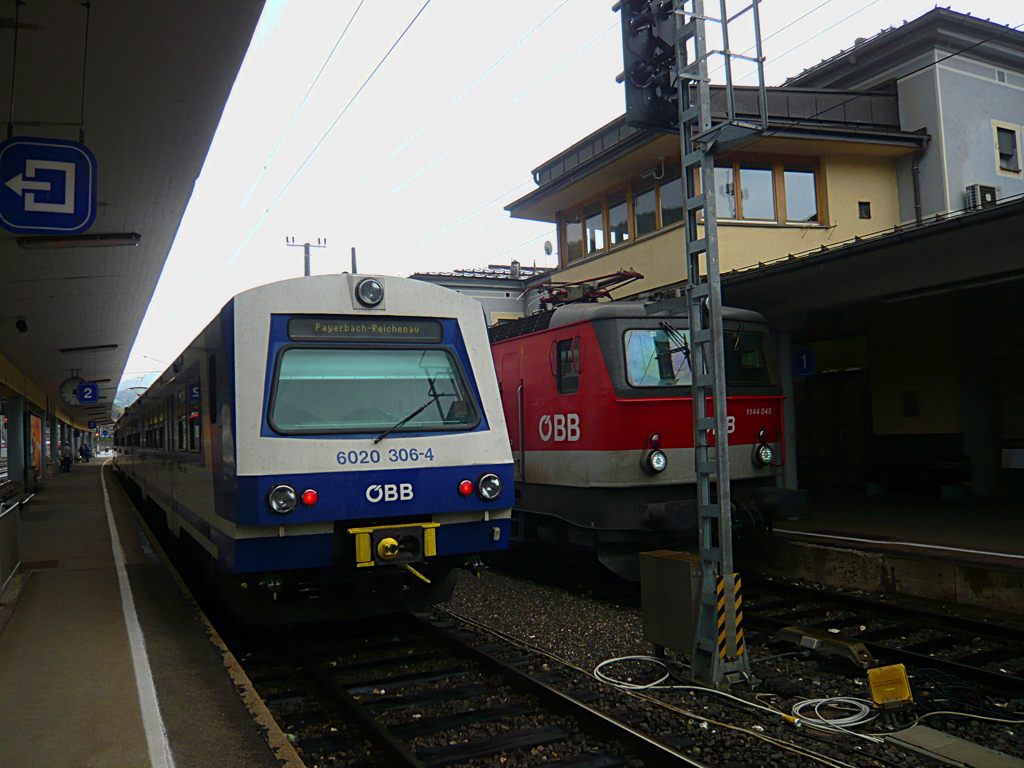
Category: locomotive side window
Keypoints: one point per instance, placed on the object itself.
(746, 358)
(568, 352)
(327, 390)
(657, 358)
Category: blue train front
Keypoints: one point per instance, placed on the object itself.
(334, 444)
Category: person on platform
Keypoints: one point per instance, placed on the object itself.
(66, 455)
(86, 452)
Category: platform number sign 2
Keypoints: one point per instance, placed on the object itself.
(88, 392)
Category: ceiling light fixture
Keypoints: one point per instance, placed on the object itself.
(93, 348)
(98, 240)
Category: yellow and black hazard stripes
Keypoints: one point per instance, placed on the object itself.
(730, 616)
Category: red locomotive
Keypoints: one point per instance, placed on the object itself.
(599, 412)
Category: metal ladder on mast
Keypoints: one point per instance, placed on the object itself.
(719, 655)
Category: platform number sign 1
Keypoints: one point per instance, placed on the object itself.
(803, 361)
(88, 392)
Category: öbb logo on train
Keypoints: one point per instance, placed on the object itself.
(560, 427)
(389, 492)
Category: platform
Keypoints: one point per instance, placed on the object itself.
(104, 659)
(963, 551)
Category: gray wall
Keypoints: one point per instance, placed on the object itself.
(971, 99)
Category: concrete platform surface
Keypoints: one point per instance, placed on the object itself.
(970, 531)
(109, 672)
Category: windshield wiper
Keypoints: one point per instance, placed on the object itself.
(433, 399)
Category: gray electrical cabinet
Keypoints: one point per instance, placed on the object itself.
(670, 585)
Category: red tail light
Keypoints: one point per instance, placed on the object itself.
(466, 488)
(655, 441)
(310, 497)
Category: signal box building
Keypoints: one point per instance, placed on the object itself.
(876, 224)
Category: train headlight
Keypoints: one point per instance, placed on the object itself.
(282, 499)
(369, 292)
(488, 487)
(763, 455)
(657, 461)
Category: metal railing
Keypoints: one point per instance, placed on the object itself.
(10, 556)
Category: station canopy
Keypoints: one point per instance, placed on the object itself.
(141, 85)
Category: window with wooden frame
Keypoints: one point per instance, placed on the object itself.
(777, 192)
(639, 208)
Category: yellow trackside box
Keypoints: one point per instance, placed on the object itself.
(890, 688)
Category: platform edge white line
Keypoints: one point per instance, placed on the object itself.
(939, 547)
(156, 733)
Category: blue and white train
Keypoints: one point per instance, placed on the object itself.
(334, 444)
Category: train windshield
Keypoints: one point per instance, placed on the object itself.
(369, 390)
(660, 357)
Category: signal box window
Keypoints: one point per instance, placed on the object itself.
(593, 220)
(568, 352)
(801, 194)
(657, 357)
(618, 218)
(573, 236)
(645, 207)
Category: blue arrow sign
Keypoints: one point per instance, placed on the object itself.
(88, 392)
(106, 433)
(47, 186)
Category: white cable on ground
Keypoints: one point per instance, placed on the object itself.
(861, 709)
(971, 717)
(625, 684)
(657, 684)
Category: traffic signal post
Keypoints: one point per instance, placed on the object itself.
(668, 88)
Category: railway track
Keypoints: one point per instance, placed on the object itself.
(985, 652)
(411, 692)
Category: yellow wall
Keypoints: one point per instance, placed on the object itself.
(848, 180)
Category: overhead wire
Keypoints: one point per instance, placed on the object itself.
(302, 165)
(327, 133)
(302, 104)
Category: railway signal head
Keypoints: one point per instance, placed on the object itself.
(648, 57)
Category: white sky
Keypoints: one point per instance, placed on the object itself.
(416, 172)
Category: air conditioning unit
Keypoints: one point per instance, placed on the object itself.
(982, 196)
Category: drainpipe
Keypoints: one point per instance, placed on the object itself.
(915, 172)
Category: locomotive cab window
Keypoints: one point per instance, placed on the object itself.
(657, 357)
(746, 358)
(568, 352)
(327, 390)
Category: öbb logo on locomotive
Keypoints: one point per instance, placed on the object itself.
(562, 427)
(389, 492)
